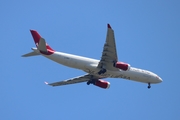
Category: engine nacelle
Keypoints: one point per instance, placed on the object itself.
(122, 66)
(102, 84)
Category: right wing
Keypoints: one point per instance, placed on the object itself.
(78, 79)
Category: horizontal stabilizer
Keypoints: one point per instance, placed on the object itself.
(30, 54)
(42, 45)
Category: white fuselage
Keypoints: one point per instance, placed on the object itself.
(90, 66)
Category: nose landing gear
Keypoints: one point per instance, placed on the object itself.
(149, 85)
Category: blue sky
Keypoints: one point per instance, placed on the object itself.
(147, 36)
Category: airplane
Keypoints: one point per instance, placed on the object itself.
(107, 67)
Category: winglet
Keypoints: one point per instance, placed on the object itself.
(109, 26)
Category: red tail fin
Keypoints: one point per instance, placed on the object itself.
(37, 38)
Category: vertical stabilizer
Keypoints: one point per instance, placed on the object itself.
(41, 44)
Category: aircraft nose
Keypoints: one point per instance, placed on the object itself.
(159, 79)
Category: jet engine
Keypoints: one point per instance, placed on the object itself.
(102, 84)
(122, 66)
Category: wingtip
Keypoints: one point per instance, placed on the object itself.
(109, 26)
(46, 83)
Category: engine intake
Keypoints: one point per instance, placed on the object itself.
(122, 66)
(102, 84)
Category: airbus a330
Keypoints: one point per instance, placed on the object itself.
(107, 67)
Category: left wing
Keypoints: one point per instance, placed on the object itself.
(109, 54)
(78, 79)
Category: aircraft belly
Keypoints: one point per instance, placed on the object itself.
(56, 58)
(91, 68)
(136, 76)
(128, 75)
(70, 60)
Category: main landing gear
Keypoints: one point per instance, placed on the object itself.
(88, 82)
(149, 85)
(92, 81)
(102, 71)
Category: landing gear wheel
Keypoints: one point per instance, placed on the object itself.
(149, 86)
(92, 81)
(88, 83)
